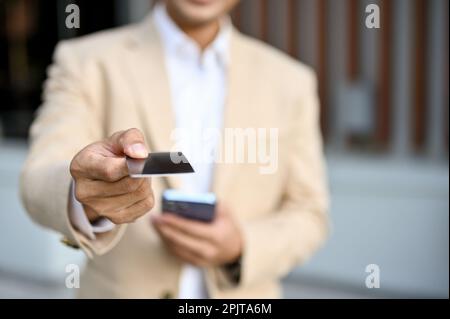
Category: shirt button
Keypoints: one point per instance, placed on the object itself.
(167, 295)
(68, 243)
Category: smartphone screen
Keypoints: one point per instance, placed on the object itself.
(195, 206)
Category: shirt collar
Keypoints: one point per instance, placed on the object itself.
(176, 41)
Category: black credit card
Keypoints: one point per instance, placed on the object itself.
(159, 164)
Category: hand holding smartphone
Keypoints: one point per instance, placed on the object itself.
(199, 207)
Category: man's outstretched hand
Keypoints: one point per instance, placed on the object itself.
(102, 183)
(201, 244)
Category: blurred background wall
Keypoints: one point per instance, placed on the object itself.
(384, 116)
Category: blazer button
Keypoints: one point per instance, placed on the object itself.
(167, 295)
(69, 243)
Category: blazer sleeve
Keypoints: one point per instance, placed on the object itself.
(70, 118)
(274, 244)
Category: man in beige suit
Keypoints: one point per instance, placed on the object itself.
(123, 92)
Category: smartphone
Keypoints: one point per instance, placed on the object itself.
(194, 206)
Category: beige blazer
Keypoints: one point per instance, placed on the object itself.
(115, 80)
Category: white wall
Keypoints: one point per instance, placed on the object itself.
(25, 248)
(390, 212)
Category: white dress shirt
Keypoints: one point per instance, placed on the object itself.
(198, 83)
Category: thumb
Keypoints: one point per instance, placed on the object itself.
(221, 209)
(130, 142)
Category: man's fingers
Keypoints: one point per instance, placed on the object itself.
(93, 165)
(181, 239)
(133, 212)
(221, 209)
(187, 256)
(105, 161)
(109, 205)
(192, 228)
(130, 142)
(88, 188)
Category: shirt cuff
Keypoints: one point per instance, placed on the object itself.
(79, 220)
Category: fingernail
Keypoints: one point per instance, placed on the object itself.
(139, 150)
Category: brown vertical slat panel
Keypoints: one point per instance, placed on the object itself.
(385, 83)
(418, 67)
(445, 63)
(353, 32)
(236, 15)
(322, 65)
(292, 27)
(249, 18)
(263, 20)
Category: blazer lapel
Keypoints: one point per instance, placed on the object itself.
(235, 112)
(151, 84)
(150, 80)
